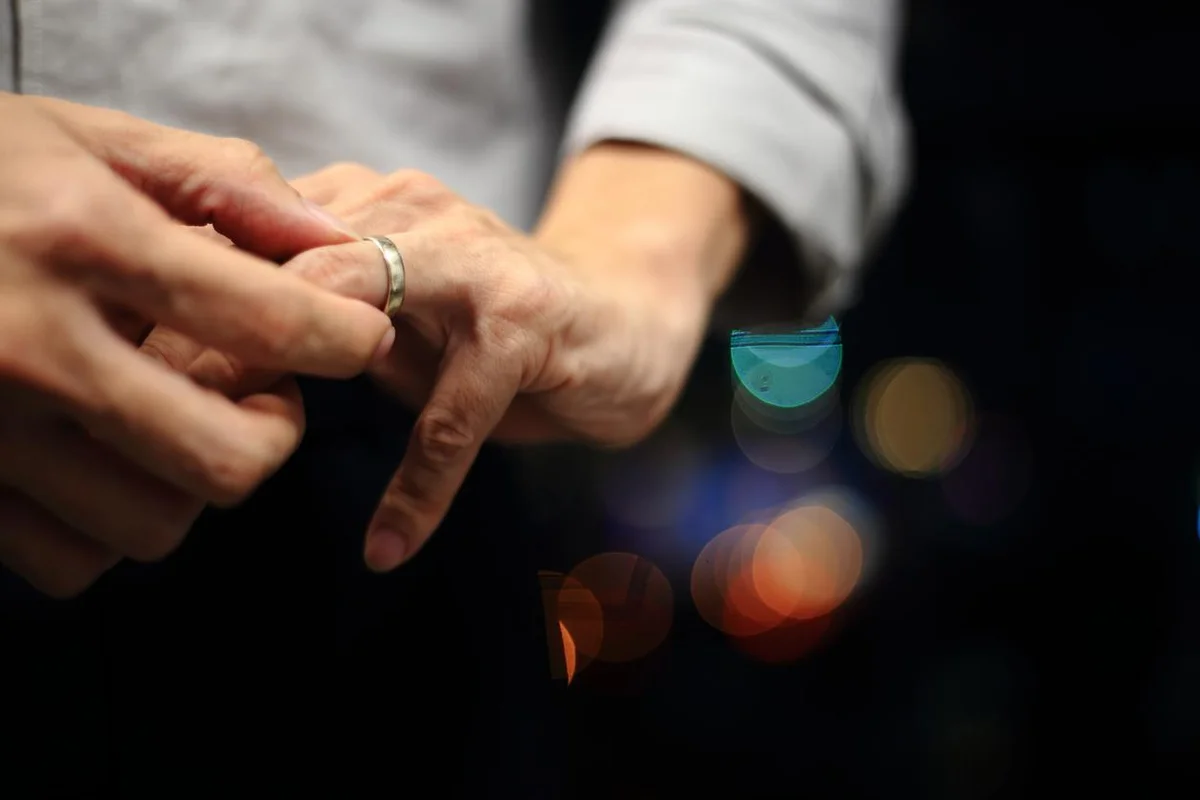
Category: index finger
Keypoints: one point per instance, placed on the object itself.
(235, 302)
(468, 401)
(202, 179)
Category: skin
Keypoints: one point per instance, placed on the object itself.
(106, 452)
(585, 330)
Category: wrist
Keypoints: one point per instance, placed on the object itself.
(657, 220)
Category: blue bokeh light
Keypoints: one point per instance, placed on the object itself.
(788, 369)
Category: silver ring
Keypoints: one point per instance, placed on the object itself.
(395, 268)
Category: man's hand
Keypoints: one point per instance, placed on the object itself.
(104, 451)
(586, 331)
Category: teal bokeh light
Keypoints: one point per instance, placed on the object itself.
(788, 369)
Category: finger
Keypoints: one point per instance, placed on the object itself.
(92, 491)
(171, 348)
(210, 233)
(54, 559)
(200, 180)
(410, 371)
(352, 271)
(129, 325)
(209, 368)
(188, 436)
(356, 271)
(470, 397)
(229, 300)
(326, 186)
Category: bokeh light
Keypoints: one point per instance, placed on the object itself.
(711, 574)
(993, 479)
(569, 652)
(787, 368)
(914, 417)
(785, 643)
(580, 612)
(785, 440)
(807, 562)
(866, 523)
(746, 612)
(579, 618)
(635, 602)
(773, 585)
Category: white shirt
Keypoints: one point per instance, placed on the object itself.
(794, 99)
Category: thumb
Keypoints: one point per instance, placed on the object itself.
(198, 179)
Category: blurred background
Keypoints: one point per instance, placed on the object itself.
(944, 546)
(948, 545)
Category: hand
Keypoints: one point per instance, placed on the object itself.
(500, 335)
(104, 451)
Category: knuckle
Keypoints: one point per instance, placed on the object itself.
(235, 471)
(15, 365)
(327, 267)
(67, 222)
(232, 476)
(351, 171)
(31, 351)
(166, 352)
(417, 187)
(410, 513)
(443, 436)
(69, 579)
(247, 156)
(281, 327)
(525, 299)
(162, 535)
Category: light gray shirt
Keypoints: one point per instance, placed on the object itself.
(794, 99)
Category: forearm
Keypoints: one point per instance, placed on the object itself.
(662, 221)
(794, 100)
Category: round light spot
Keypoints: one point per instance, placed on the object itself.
(914, 417)
(786, 441)
(807, 562)
(636, 602)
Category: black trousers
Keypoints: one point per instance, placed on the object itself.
(264, 654)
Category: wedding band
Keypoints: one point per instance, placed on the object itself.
(395, 269)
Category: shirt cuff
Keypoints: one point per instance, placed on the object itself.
(713, 96)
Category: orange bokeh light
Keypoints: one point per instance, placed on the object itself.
(785, 643)
(635, 601)
(772, 587)
(579, 618)
(568, 651)
(711, 580)
(807, 562)
(580, 612)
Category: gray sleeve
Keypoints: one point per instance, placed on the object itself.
(796, 100)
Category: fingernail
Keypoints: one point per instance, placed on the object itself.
(385, 346)
(385, 550)
(329, 219)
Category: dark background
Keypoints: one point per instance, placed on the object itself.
(1046, 254)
